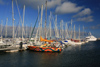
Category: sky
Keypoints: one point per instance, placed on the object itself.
(82, 12)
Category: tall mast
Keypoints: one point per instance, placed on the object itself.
(30, 30)
(79, 32)
(38, 27)
(38, 21)
(66, 30)
(23, 21)
(1, 27)
(6, 28)
(83, 31)
(74, 33)
(26, 31)
(13, 18)
(50, 24)
(19, 30)
(41, 21)
(57, 35)
(45, 18)
(62, 29)
(71, 29)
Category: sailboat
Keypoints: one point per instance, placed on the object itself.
(44, 45)
(69, 41)
(4, 44)
(74, 41)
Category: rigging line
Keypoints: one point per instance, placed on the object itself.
(34, 25)
(18, 11)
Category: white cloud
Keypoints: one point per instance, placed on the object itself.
(86, 11)
(36, 3)
(86, 19)
(53, 3)
(1, 2)
(68, 7)
(31, 3)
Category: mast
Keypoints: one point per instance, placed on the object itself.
(45, 18)
(74, 33)
(13, 19)
(26, 31)
(1, 27)
(30, 30)
(6, 28)
(57, 35)
(62, 29)
(50, 25)
(38, 21)
(18, 30)
(79, 32)
(66, 30)
(15, 32)
(41, 21)
(71, 29)
(83, 31)
(23, 21)
(36, 35)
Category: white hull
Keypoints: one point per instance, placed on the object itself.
(78, 43)
(16, 50)
(74, 43)
(70, 42)
(91, 38)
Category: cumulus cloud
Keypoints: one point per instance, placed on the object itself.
(86, 11)
(86, 19)
(36, 3)
(1, 2)
(67, 7)
(53, 3)
(32, 3)
(61, 6)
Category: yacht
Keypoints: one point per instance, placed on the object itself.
(91, 38)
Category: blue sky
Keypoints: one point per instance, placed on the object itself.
(83, 12)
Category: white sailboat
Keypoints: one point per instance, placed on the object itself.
(69, 41)
(66, 35)
(74, 41)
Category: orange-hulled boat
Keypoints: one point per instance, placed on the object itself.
(45, 48)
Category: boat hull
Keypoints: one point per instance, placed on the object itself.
(44, 49)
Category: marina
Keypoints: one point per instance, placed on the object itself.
(33, 36)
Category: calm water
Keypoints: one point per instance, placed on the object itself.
(87, 55)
